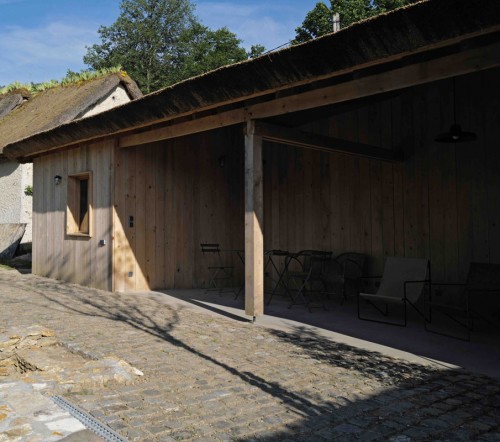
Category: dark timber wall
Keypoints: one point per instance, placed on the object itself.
(443, 202)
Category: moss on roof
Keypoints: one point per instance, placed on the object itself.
(27, 112)
(414, 29)
(70, 78)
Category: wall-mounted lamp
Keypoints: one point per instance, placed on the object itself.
(57, 180)
(222, 160)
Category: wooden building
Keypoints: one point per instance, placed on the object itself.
(325, 145)
(24, 113)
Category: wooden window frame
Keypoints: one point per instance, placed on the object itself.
(73, 225)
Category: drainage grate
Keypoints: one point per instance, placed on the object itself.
(89, 421)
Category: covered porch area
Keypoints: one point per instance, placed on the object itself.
(346, 168)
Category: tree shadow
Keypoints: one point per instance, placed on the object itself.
(416, 402)
(412, 401)
(127, 311)
(370, 363)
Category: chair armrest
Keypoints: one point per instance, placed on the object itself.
(468, 289)
(414, 282)
(483, 290)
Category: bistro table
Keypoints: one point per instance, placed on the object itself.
(271, 260)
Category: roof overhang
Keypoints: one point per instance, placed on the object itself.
(425, 42)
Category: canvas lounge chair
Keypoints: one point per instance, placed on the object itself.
(483, 281)
(403, 282)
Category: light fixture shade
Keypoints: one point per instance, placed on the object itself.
(456, 135)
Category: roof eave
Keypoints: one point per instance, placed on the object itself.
(419, 28)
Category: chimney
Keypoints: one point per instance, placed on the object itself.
(336, 22)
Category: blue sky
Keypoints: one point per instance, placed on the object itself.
(41, 39)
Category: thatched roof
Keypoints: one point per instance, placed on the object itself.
(413, 29)
(9, 102)
(23, 114)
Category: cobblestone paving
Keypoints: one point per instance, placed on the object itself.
(211, 378)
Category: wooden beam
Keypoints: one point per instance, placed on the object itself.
(185, 128)
(254, 224)
(462, 63)
(408, 76)
(309, 140)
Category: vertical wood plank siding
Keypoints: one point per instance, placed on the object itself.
(442, 202)
(75, 259)
(179, 196)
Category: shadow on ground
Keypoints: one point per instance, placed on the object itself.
(413, 401)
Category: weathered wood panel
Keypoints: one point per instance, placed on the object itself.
(55, 254)
(169, 196)
(179, 196)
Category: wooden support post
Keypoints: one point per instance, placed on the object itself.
(254, 222)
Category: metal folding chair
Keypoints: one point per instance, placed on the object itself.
(272, 272)
(305, 276)
(218, 273)
(348, 273)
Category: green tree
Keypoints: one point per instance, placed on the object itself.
(256, 51)
(201, 49)
(160, 42)
(319, 21)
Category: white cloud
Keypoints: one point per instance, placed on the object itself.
(46, 51)
(42, 53)
(266, 23)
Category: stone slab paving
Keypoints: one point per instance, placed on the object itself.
(208, 378)
(26, 414)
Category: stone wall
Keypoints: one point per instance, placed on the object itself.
(15, 206)
(35, 353)
(15, 341)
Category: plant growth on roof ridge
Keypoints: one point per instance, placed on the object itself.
(70, 78)
(86, 75)
(16, 85)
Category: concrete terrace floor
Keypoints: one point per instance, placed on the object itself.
(213, 376)
(340, 322)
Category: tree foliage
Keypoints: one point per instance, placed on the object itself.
(319, 20)
(256, 51)
(160, 42)
(201, 50)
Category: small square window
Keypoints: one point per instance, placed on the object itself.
(79, 211)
